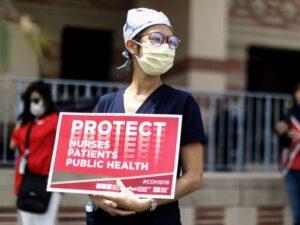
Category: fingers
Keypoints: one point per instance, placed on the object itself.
(118, 197)
(110, 203)
(121, 185)
(282, 125)
(108, 196)
(111, 207)
(282, 128)
(100, 200)
(120, 212)
(123, 188)
(95, 197)
(105, 205)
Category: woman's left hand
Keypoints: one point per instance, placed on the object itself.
(126, 199)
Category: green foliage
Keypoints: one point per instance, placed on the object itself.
(4, 46)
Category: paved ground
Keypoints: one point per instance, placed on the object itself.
(67, 216)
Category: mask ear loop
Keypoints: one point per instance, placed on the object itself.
(138, 43)
(125, 54)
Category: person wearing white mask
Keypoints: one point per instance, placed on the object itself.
(150, 50)
(34, 137)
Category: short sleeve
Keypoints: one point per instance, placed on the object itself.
(103, 103)
(98, 107)
(16, 136)
(192, 125)
(53, 122)
(101, 106)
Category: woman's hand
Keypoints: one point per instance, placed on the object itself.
(18, 125)
(126, 199)
(295, 136)
(12, 144)
(109, 206)
(282, 127)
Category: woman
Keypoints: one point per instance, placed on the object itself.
(289, 131)
(41, 116)
(150, 49)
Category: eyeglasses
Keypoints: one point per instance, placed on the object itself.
(157, 39)
(35, 100)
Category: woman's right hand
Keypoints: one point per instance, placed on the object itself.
(18, 125)
(282, 127)
(109, 206)
(12, 144)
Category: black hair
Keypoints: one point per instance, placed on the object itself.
(129, 65)
(44, 90)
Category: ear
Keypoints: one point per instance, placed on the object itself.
(132, 47)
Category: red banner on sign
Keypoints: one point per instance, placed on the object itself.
(92, 151)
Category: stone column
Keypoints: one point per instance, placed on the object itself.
(207, 44)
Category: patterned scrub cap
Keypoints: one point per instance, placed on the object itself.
(139, 19)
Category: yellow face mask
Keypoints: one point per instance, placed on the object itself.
(156, 60)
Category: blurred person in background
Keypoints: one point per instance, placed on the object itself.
(289, 132)
(150, 50)
(37, 126)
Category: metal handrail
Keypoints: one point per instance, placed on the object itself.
(239, 124)
(273, 95)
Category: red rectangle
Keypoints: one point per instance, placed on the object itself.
(93, 150)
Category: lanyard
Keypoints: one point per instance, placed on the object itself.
(27, 138)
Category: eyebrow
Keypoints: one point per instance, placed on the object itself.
(159, 31)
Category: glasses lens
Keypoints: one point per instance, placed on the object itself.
(156, 38)
(173, 42)
(35, 100)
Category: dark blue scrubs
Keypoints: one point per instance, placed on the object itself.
(164, 100)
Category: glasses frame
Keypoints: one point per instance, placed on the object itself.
(166, 39)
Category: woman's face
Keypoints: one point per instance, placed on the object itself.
(35, 95)
(37, 104)
(160, 28)
(297, 96)
(153, 50)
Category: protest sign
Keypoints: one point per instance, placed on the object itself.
(93, 150)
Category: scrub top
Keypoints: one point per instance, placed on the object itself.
(163, 100)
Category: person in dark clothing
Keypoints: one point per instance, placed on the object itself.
(150, 48)
(289, 131)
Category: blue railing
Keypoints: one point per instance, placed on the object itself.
(239, 125)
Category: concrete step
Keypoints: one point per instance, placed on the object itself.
(66, 216)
